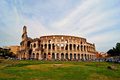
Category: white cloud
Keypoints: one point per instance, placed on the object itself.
(76, 13)
(92, 19)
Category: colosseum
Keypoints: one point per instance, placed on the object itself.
(56, 47)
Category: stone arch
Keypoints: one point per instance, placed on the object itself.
(53, 46)
(34, 45)
(70, 46)
(33, 55)
(66, 56)
(62, 56)
(49, 56)
(85, 57)
(82, 56)
(74, 56)
(81, 47)
(78, 47)
(57, 55)
(66, 48)
(45, 46)
(53, 56)
(78, 56)
(44, 56)
(37, 56)
(41, 46)
(74, 46)
(49, 46)
(88, 56)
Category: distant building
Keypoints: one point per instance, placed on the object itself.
(101, 55)
(56, 47)
(14, 49)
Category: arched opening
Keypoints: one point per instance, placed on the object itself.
(49, 46)
(45, 46)
(41, 46)
(66, 56)
(66, 48)
(49, 56)
(81, 42)
(44, 56)
(74, 56)
(62, 56)
(81, 48)
(78, 47)
(53, 56)
(82, 56)
(57, 55)
(34, 45)
(70, 46)
(53, 46)
(85, 57)
(74, 46)
(37, 56)
(78, 56)
(33, 55)
(88, 56)
(70, 56)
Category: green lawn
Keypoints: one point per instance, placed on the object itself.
(57, 70)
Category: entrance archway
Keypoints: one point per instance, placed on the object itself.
(74, 56)
(49, 56)
(70, 56)
(44, 56)
(82, 56)
(66, 56)
(78, 56)
(62, 56)
(33, 55)
(57, 55)
(53, 56)
(37, 56)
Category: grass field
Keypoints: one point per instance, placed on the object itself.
(57, 70)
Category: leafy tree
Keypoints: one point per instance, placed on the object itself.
(115, 51)
(111, 52)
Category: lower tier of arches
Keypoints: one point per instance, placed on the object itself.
(58, 56)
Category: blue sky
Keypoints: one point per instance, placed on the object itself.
(96, 20)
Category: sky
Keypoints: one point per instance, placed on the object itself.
(96, 20)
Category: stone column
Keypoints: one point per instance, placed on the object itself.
(60, 56)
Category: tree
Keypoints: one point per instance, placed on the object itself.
(118, 48)
(111, 52)
(115, 51)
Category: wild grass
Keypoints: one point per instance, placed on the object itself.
(57, 70)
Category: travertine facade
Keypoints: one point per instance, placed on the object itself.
(56, 47)
(15, 49)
